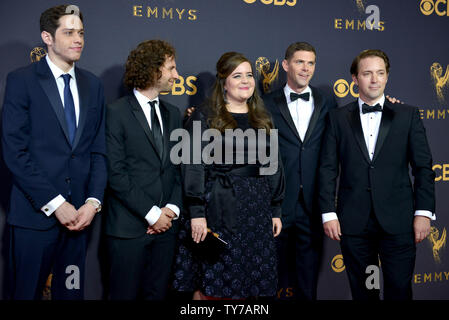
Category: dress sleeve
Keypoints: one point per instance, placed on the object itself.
(275, 175)
(277, 187)
(193, 172)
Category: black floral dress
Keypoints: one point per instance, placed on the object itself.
(247, 265)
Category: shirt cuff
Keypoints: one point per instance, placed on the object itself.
(153, 215)
(173, 208)
(426, 213)
(54, 204)
(328, 216)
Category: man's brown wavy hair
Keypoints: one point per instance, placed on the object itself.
(144, 63)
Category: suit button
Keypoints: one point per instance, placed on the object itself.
(371, 167)
(368, 189)
(303, 148)
(67, 180)
(73, 156)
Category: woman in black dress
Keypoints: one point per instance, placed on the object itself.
(228, 196)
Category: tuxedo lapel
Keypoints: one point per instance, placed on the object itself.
(83, 94)
(48, 84)
(384, 128)
(281, 101)
(318, 102)
(356, 125)
(140, 116)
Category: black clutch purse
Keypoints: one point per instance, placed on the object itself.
(213, 239)
(211, 247)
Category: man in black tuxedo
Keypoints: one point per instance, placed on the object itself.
(144, 186)
(370, 144)
(299, 112)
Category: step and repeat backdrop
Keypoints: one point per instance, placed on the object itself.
(412, 32)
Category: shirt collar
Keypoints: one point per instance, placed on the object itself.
(380, 101)
(56, 71)
(288, 90)
(143, 100)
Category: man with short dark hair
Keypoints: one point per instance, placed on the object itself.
(299, 112)
(144, 185)
(369, 145)
(54, 145)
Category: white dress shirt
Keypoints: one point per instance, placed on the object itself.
(300, 110)
(155, 212)
(54, 204)
(57, 73)
(370, 125)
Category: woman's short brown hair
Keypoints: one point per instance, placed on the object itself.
(144, 63)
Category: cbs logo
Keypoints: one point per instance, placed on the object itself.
(342, 88)
(338, 264)
(182, 86)
(427, 7)
(441, 172)
(285, 293)
(290, 3)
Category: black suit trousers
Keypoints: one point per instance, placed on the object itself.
(299, 248)
(34, 254)
(396, 253)
(140, 267)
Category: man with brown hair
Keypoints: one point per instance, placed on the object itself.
(144, 186)
(370, 144)
(54, 145)
(299, 112)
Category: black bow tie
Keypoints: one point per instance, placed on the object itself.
(303, 96)
(367, 108)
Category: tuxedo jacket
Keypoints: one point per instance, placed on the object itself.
(138, 178)
(383, 184)
(299, 158)
(36, 145)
